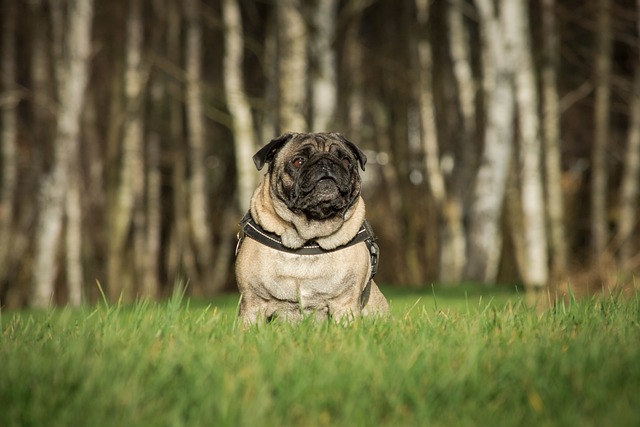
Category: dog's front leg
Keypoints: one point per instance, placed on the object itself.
(345, 307)
(253, 309)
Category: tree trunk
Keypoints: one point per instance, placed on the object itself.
(199, 211)
(243, 126)
(535, 273)
(462, 71)
(353, 57)
(551, 140)
(399, 259)
(8, 124)
(629, 190)
(324, 84)
(153, 209)
(131, 174)
(292, 55)
(73, 210)
(181, 262)
(429, 133)
(268, 118)
(40, 75)
(465, 167)
(485, 234)
(224, 255)
(599, 227)
(467, 88)
(515, 220)
(452, 241)
(72, 70)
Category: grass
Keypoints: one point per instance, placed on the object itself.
(450, 357)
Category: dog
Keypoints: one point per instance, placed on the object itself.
(305, 247)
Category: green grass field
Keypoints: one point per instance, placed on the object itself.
(449, 357)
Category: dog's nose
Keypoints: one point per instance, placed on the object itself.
(325, 163)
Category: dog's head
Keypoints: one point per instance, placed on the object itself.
(314, 174)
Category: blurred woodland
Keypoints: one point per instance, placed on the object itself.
(503, 137)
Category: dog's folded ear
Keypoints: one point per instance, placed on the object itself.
(267, 153)
(362, 158)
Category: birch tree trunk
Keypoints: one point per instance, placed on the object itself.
(429, 133)
(629, 190)
(268, 119)
(72, 69)
(599, 173)
(8, 123)
(353, 58)
(181, 260)
(198, 191)
(467, 87)
(40, 74)
(131, 174)
(515, 219)
(243, 125)
(324, 85)
(73, 237)
(536, 272)
(452, 241)
(551, 141)
(485, 234)
(292, 55)
(153, 209)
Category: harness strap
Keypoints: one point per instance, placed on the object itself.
(250, 228)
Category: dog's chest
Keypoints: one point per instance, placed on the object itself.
(316, 277)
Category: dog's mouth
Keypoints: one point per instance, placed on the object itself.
(326, 188)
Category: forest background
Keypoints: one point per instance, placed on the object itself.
(503, 137)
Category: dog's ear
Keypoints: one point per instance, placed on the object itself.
(362, 158)
(267, 153)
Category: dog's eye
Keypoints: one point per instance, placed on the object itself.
(346, 162)
(298, 162)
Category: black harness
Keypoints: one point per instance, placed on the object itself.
(250, 228)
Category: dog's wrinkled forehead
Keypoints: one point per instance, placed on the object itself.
(321, 141)
(314, 143)
(324, 142)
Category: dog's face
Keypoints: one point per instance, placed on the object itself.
(314, 174)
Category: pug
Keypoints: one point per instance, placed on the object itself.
(305, 247)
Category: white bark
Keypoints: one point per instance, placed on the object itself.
(131, 173)
(324, 81)
(551, 139)
(454, 258)
(154, 220)
(292, 55)
(463, 73)
(429, 134)
(269, 114)
(599, 176)
(452, 251)
(72, 70)
(535, 270)
(353, 59)
(198, 189)
(40, 77)
(243, 125)
(628, 219)
(485, 235)
(181, 263)
(73, 238)
(629, 190)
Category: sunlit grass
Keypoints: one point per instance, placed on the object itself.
(448, 356)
